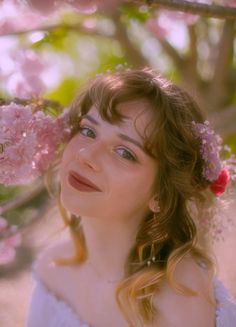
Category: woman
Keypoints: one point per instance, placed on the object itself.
(135, 180)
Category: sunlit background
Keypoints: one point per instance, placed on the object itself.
(49, 49)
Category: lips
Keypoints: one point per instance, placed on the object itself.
(81, 181)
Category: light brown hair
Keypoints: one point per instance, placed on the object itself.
(179, 181)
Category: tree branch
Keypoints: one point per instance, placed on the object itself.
(202, 9)
(219, 88)
(193, 56)
(133, 54)
(172, 53)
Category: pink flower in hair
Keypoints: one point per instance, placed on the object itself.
(209, 148)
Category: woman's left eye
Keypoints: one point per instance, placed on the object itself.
(126, 154)
(86, 131)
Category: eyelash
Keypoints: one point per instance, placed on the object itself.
(131, 157)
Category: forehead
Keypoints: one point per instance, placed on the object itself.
(137, 114)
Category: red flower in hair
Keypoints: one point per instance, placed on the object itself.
(219, 185)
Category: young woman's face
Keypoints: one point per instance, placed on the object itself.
(112, 158)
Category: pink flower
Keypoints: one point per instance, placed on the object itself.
(29, 142)
(218, 186)
(13, 241)
(172, 15)
(26, 79)
(20, 21)
(231, 3)
(159, 32)
(8, 243)
(7, 253)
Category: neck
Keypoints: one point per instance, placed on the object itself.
(108, 244)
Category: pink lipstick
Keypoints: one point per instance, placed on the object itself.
(81, 183)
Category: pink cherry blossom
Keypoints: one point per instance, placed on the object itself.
(171, 25)
(231, 3)
(29, 142)
(173, 15)
(13, 241)
(9, 240)
(25, 78)
(16, 17)
(154, 27)
(25, 81)
(7, 253)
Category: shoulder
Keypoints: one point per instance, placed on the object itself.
(175, 309)
(44, 266)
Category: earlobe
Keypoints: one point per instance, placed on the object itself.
(154, 204)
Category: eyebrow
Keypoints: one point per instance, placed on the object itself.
(120, 135)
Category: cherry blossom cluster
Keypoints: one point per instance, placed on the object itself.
(10, 240)
(15, 17)
(29, 142)
(22, 73)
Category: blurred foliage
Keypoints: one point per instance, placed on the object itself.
(231, 142)
(134, 13)
(65, 91)
(22, 215)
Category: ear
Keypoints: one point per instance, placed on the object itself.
(154, 204)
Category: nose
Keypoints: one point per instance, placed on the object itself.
(87, 156)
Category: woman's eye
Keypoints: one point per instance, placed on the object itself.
(126, 154)
(86, 131)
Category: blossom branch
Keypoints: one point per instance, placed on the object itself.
(202, 9)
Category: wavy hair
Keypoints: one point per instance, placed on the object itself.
(179, 182)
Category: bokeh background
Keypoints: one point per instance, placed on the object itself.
(48, 49)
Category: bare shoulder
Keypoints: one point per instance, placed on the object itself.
(178, 310)
(44, 265)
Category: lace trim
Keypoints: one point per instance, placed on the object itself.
(225, 310)
(226, 306)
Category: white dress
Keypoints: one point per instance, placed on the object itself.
(46, 310)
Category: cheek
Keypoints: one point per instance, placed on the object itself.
(69, 152)
(132, 184)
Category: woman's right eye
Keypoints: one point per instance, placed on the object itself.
(86, 131)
